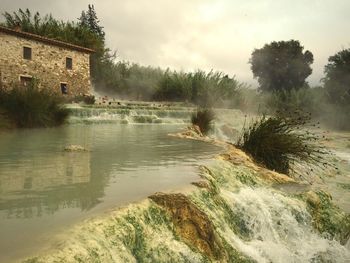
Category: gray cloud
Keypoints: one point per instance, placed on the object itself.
(209, 34)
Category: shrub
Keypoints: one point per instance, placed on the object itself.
(201, 88)
(173, 86)
(31, 106)
(278, 142)
(87, 99)
(203, 118)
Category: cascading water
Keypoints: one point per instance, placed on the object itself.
(280, 229)
(234, 215)
(131, 115)
(251, 223)
(228, 123)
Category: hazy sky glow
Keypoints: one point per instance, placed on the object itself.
(208, 34)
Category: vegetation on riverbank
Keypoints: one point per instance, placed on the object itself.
(231, 216)
(327, 217)
(32, 106)
(281, 68)
(5, 122)
(203, 118)
(279, 142)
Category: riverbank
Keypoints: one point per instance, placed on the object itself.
(5, 123)
(32, 106)
(233, 214)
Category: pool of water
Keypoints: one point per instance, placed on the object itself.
(43, 189)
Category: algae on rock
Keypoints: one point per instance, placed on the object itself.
(327, 217)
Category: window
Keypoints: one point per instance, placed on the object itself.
(69, 63)
(25, 80)
(64, 88)
(27, 53)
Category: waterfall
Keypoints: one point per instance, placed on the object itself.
(227, 124)
(251, 223)
(233, 215)
(130, 115)
(280, 229)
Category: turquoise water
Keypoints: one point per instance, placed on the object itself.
(43, 189)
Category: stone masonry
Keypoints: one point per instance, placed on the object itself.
(47, 63)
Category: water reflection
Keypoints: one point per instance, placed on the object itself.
(38, 178)
(44, 189)
(43, 181)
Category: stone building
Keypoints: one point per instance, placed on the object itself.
(60, 66)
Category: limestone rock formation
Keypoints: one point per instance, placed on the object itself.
(191, 224)
(74, 148)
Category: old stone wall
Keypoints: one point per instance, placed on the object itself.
(48, 64)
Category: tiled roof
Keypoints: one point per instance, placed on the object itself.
(45, 40)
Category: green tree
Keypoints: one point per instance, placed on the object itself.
(281, 66)
(49, 27)
(89, 19)
(174, 86)
(337, 78)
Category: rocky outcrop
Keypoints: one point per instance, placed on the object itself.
(235, 156)
(191, 132)
(201, 184)
(238, 157)
(191, 224)
(74, 148)
(327, 217)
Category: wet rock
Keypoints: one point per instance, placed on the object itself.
(191, 224)
(312, 199)
(328, 218)
(238, 157)
(201, 184)
(196, 129)
(192, 132)
(229, 131)
(74, 148)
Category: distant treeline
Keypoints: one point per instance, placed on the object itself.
(132, 81)
(281, 69)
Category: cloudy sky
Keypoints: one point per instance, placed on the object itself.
(208, 34)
